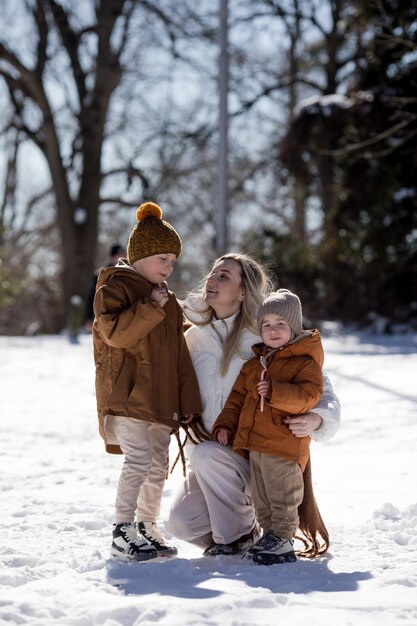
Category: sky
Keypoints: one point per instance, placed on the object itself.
(57, 489)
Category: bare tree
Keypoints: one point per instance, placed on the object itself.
(79, 89)
(90, 77)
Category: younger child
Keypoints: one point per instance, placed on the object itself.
(283, 379)
(145, 381)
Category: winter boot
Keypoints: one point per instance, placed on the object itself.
(128, 545)
(271, 549)
(153, 534)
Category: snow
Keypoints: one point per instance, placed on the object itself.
(58, 486)
(323, 104)
(403, 193)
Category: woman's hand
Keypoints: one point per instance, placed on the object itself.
(223, 436)
(303, 425)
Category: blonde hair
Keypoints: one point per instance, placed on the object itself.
(256, 285)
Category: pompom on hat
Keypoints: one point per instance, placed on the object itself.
(152, 235)
(285, 304)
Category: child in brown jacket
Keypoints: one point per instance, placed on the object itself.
(284, 378)
(145, 381)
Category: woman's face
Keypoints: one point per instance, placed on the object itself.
(223, 288)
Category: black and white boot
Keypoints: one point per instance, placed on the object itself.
(271, 549)
(130, 546)
(153, 534)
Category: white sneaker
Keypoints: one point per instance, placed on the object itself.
(153, 534)
(271, 549)
(128, 545)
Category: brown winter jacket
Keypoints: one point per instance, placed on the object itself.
(143, 367)
(296, 386)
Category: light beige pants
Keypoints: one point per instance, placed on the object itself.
(277, 489)
(142, 478)
(213, 502)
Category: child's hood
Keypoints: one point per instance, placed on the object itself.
(122, 268)
(307, 343)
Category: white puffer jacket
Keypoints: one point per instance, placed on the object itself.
(205, 347)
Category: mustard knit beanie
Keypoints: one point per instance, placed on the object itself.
(285, 304)
(152, 235)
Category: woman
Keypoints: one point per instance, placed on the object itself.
(213, 508)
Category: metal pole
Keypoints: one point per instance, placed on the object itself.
(222, 161)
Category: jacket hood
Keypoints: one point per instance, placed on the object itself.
(307, 343)
(195, 309)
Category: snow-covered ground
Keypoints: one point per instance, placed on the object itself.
(58, 487)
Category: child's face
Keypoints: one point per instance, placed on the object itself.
(275, 331)
(156, 268)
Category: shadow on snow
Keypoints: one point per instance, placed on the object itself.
(186, 578)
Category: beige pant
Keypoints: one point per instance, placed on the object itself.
(142, 478)
(213, 502)
(277, 489)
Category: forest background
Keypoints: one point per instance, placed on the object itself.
(109, 103)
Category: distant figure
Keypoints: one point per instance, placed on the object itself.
(116, 252)
(75, 318)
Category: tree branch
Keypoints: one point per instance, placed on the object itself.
(355, 147)
(38, 15)
(10, 185)
(71, 41)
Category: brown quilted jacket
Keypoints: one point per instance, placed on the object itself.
(143, 367)
(296, 381)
